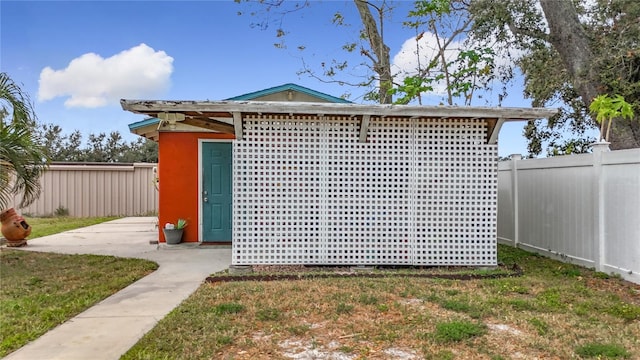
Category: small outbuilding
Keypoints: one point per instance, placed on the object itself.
(289, 175)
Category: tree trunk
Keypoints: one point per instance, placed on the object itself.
(570, 40)
(382, 64)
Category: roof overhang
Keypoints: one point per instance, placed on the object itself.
(226, 116)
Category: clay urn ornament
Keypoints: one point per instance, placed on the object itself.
(14, 228)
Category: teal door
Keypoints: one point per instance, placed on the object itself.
(216, 192)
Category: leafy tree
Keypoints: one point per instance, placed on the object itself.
(22, 159)
(112, 148)
(105, 149)
(61, 147)
(143, 150)
(370, 43)
(99, 148)
(462, 67)
(458, 65)
(569, 53)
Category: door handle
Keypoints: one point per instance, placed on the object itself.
(206, 199)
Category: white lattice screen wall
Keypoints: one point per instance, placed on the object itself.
(419, 192)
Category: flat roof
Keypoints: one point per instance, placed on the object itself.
(227, 108)
(227, 115)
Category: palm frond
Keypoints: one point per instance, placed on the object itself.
(15, 102)
(22, 159)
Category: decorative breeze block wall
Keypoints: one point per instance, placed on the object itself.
(419, 192)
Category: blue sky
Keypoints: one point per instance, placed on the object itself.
(77, 58)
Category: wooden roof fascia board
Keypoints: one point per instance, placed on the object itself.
(222, 119)
(263, 107)
(153, 136)
(205, 123)
(237, 124)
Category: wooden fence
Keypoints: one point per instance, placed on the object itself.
(583, 209)
(96, 189)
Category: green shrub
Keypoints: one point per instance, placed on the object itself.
(61, 211)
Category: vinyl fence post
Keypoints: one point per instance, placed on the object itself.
(514, 191)
(599, 221)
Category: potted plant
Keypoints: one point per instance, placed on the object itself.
(173, 232)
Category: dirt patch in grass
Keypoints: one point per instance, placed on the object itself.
(552, 311)
(614, 286)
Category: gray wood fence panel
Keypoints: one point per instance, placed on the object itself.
(96, 190)
(583, 209)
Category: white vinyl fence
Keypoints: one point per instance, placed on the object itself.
(583, 209)
(96, 189)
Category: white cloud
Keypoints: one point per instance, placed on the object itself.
(405, 62)
(92, 81)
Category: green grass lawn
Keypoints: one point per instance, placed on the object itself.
(53, 225)
(552, 311)
(39, 291)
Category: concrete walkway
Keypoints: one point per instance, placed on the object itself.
(111, 327)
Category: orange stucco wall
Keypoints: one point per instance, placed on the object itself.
(178, 174)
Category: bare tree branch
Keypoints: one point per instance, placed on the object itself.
(381, 63)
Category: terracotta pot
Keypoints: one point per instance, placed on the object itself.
(14, 228)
